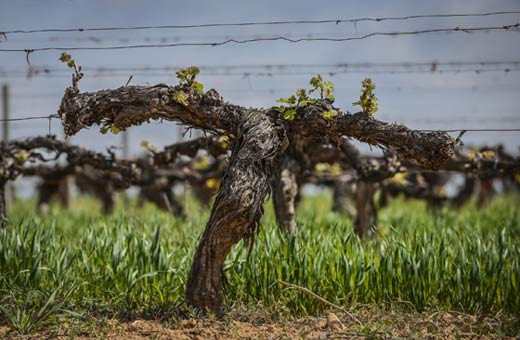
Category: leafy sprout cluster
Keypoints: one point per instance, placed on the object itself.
(180, 97)
(71, 63)
(302, 99)
(187, 77)
(326, 88)
(67, 58)
(368, 100)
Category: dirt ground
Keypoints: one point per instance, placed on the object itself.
(363, 325)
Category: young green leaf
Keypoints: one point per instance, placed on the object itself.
(368, 100)
(291, 100)
(198, 87)
(180, 97)
(328, 115)
(289, 113)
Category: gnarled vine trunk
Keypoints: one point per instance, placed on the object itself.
(465, 193)
(260, 137)
(486, 191)
(366, 212)
(343, 195)
(238, 205)
(99, 186)
(51, 188)
(285, 194)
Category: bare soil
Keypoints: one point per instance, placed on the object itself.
(370, 324)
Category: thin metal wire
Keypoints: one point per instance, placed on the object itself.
(387, 66)
(469, 130)
(49, 117)
(260, 23)
(330, 73)
(280, 38)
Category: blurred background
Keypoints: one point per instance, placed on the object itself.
(427, 81)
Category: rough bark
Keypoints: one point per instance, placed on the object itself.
(285, 194)
(260, 137)
(133, 105)
(366, 212)
(427, 149)
(238, 205)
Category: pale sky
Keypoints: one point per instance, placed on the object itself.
(436, 101)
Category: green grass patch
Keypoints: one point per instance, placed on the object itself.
(135, 262)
